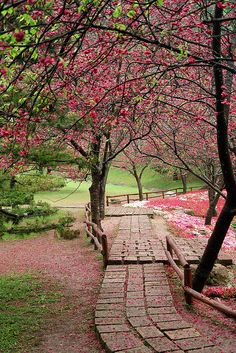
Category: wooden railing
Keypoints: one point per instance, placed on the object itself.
(147, 195)
(186, 278)
(97, 236)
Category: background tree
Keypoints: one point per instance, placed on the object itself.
(135, 163)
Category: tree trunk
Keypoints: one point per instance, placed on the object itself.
(213, 246)
(175, 176)
(94, 198)
(184, 181)
(12, 182)
(138, 181)
(211, 212)
(229, 210)
(102, 190)
(140, 188)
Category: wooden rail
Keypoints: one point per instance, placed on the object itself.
(98, 238)
(148, 195)
(186, 278)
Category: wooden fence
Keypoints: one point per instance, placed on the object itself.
(98, 238)
(147, 195)
(186, 278)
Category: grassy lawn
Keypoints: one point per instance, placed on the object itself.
(119, 182)
(26, 302)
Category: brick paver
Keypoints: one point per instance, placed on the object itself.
(135, 311)
(141, 320)
(124, 211)
(136, 242)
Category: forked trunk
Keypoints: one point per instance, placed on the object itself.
(212, 212)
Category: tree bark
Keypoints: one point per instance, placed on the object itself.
(138, 181)
(102, 190)
(214, 245)
(229, 210)
(213, 200)
(140, 188)
(184, 181)
(94, 191)
(13, 182)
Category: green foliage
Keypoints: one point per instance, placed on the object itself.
(160, 2)
(49, 155)
(35, 183)
(25, 302)
(36, 209)
(64, 230)
(67, 220)
(35, 218)
(67, 233)
(14, 198)
(118, 11)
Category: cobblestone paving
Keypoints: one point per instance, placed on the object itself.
(135, 314)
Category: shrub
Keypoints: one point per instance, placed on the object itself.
(35, 183)
(14, 198)
(67, 233)
(63, 229)
(36, 209)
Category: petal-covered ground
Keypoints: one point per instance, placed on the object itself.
(197, 201)
(185, 215)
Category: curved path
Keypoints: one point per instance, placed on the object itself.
(135, 312)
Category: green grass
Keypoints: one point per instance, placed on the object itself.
(25, 303)
(119, 182)
(73, 193)
(151, 180)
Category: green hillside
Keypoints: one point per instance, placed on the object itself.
(119, 182)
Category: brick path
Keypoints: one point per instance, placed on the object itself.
(135, 314)
(136, 242)
(125, 211)
(135, 311)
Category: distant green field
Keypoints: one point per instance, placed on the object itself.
(151, 180)
(119, 182)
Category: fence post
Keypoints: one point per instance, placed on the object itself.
(188, 283)
(146, 196)
(127, 198)
(104, 250)
(107, 197)
(89, 229)
(163, 194)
